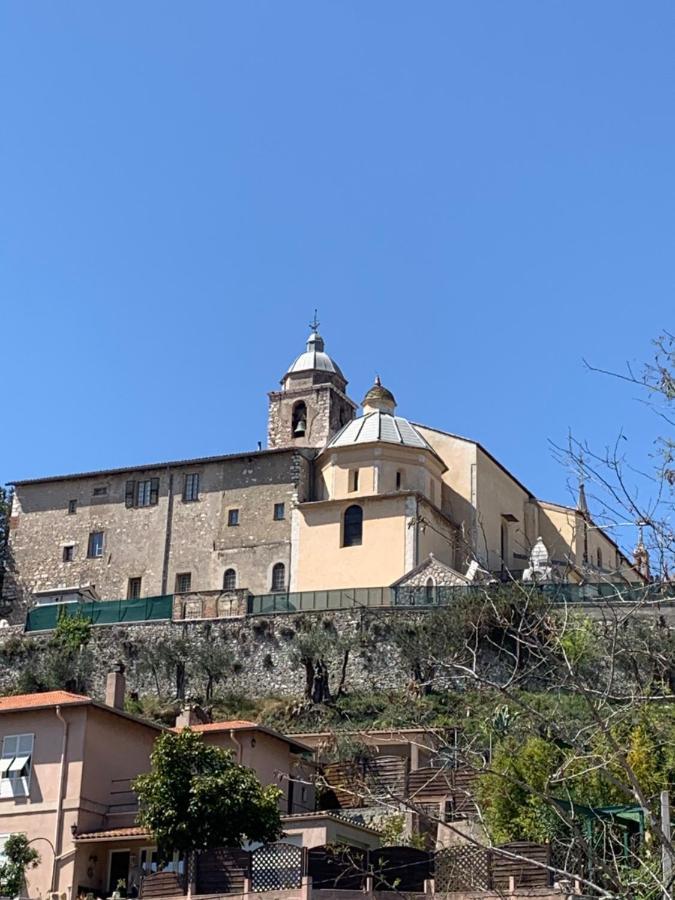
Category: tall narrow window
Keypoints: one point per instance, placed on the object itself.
(72, 507)
(68, 553)
(353, 527)
(279, 577)
(95, 545)
(134, 589)
(191, 487)
(429, 590)
(353, 480)
(279, 512)
(183, 582)
(399, 480)
(299, 420)
(233, 517)
(599, 557)
(230, 580)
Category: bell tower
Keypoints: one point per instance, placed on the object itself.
(312, 404)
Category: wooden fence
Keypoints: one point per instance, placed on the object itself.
(282, 866)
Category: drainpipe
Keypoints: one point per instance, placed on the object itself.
(167, 533)
(237, 744)
(58, 828)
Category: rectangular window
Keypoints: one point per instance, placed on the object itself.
(353, 480)
(68, 553)
(233, 517)
(100, 491)
(279, 511)
(183, 582)
(191, 488)
(95, 546)
(142, 493)
(72, 507)
(15, 765)
(134, 589)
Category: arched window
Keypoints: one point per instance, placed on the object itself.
(279, 577)
(229, 580)
(429, 589)
(299, 420)
(352, 533)
(599, 557)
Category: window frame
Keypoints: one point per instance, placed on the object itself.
(68, 553)
(132, 492)
(349, 536)
(180, 575)
(225, 575)
(277, 507)
(17, 785)
(191, 487)
(72, 507)
(90, 545)
(233, 517)
(133, 582)
(353, 483)
(276, 568)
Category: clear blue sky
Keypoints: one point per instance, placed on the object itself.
(475, 195)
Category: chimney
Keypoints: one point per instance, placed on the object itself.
(191, 714)
(115, 687)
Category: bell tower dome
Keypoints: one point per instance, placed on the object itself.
(312, 404)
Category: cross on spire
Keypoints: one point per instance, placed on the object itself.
(314, 324)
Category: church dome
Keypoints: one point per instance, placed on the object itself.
(379, 426)
(315, 359)
(379, 397)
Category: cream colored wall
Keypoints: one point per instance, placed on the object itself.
(380, 560)
(116, 751)
(37, 816)
(377, 465)
(270, 757)
(498, 495)
(329, 831)
(440, 537)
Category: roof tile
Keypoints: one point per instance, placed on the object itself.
(17, 702)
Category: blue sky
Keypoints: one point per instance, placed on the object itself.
(476, 196)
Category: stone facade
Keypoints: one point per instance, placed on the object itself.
(169, 537)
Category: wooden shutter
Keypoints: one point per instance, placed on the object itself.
(129, 494)
(154, 491)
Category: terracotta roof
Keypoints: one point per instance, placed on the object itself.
(245, 725)
(295, 818)
(230, 725)
(133, 831)
(35, 701)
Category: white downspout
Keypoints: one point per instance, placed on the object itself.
(58, 828)
(237, 744)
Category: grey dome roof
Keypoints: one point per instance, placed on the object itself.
(379, 426)
(315, 359)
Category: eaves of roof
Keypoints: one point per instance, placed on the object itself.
(307, 452)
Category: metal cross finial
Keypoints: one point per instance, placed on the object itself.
(314, 325)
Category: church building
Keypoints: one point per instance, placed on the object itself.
(343, 497)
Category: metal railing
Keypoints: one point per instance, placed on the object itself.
(149, 609)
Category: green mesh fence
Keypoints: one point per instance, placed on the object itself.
(107, 612)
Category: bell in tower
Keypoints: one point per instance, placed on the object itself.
(312, 403)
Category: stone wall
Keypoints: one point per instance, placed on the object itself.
(254, 657)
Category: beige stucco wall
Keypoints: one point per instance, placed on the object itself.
(37, 815)
(385, 554)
